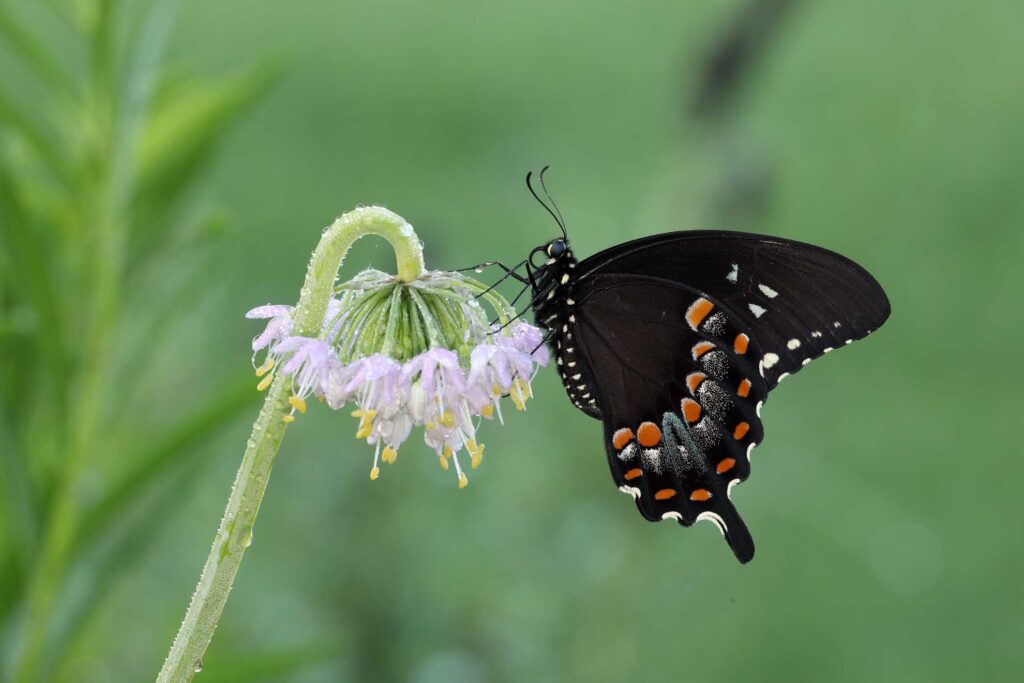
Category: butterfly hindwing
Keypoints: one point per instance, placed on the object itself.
(798, 300)
(679, 386)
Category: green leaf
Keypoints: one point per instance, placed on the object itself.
(187, 123)
(37, 134)
(34, 53)
(180, 445)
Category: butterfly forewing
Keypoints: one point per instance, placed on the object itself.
(677, 375)
(798, 300)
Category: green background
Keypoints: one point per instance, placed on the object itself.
(884, 501)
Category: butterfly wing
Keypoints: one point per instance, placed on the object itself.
(798, 301)
(677, 378)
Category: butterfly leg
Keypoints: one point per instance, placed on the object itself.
(533, 302)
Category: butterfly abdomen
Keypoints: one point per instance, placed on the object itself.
(554, 311)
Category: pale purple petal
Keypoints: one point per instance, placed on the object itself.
(268, 311)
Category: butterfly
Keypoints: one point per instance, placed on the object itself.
(674, 342)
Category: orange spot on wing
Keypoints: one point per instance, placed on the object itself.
(664, 494)
(697, 311)
(691, 410)
(648, 435)
(744, 389)
(741, 342)
(725, 466)
(633, 474)
(621, 437)
(700, 348)
(700, 494)
(693, 381)
(741, 430)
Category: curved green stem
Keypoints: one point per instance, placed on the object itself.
(235, 532)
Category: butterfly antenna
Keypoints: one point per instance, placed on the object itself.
(540, 201)
(560, 219)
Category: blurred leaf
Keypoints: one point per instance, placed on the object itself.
(38, 135)
(186, 124)
(178, 447)
(32, 51)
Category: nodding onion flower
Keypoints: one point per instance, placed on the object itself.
(414, 349)
(403, 354)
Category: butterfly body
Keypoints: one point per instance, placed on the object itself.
(554, 312)
(674, 342)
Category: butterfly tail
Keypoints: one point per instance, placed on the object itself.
(736, 533)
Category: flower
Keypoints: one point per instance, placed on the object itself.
(404, 355)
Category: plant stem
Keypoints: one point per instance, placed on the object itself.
(235, 532)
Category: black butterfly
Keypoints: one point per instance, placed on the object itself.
(674, 341)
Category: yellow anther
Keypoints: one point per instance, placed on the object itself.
(267, 366)
(463, 481)
(288, 418)
(477, 451)
(496, 390)
(488, 410)
(444, 462)
(429, 425)
(374, 473)
(365, 422)
(298, 403)
(519, 392)
(448, 420)
(265, 382)
(390, 455)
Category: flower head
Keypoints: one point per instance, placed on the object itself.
(407, 354)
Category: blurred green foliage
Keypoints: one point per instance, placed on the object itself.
(138, 223)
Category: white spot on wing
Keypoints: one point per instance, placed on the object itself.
(837, 324)
(672, 514)
(630, 491)
(815, 334)
(565, 278)
(805, 361)
(651, 458)
(770, 359)
(712, 517)
(750, 450)
(734, 274)
(728, 491)
(757, 408)
(826, 349)
(782, 377)
(793, 344)
(758, 311)
(768, 291)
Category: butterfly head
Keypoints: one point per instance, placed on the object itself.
(555, 251)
